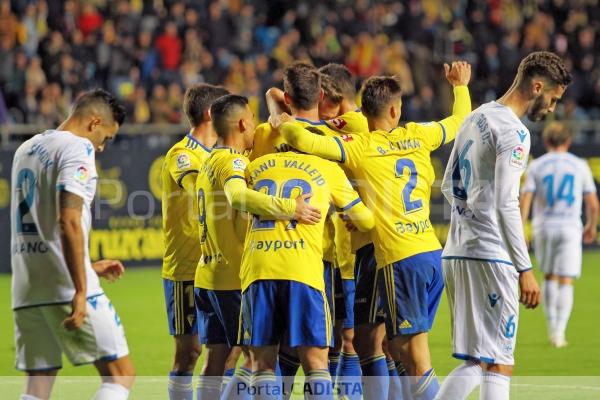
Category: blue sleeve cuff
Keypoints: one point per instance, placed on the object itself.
(351, 204)
(233, 177)
(443, 134)
(342, 151)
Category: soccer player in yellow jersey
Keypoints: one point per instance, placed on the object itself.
(283, 290)
(223, 198)
(394, 173)
(180, 231)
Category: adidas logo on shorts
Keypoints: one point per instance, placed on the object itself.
(405, 325)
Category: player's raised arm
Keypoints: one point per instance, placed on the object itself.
(71, 236)
(276, 102)
(459, 75)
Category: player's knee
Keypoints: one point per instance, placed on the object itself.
(565, 280)
(499, 369)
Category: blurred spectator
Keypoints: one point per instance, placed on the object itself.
(169, 46)
(149, 51)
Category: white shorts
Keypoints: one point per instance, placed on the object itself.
(41, 339)
(484, 307)
(558, 252)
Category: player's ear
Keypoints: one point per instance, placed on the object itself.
(537, 86)
(393, 112)
(94, 123)
(286, 98)
(321, 94)
(242, 125)
(206, 115)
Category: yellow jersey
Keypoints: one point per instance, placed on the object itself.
(220, 239)
(393, 174)
(284, 249)
(268, 141)
(179, 208)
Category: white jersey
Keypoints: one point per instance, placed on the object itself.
(559, 181)
(42, 166)
(481, 183)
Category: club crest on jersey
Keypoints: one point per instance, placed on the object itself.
(238, 165)
(522, 135)
(517, 157)
(347, 138)
(82, 174)
(183, 161)
(89, 149)
(338, 123)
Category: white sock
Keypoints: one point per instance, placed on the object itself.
(28, 397)
(550, 304)
(494, 386)
(111, 391)
(461, 382)
(564, 307)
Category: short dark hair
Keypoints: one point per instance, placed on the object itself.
(96, 99)
(302, 82)
(378, 92)
(198, 99)
(544, 64)
(342, 77)
(556, 134)
(222, 110)
(331, 89)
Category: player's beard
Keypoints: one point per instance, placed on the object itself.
(537, 111)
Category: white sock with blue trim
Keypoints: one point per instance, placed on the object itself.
(111, 391)
(494, 386)
(461, 381)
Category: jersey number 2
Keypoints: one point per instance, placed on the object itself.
(401, 165)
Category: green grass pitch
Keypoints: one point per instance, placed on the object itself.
(572, 372)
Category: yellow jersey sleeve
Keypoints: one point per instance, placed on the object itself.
(438, 133)
(347, 200)
(352, 122)
(343, 248)
(346, 149)
(183, 167)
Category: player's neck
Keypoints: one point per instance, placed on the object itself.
(380, 124)
(347, 106)
(205, 134)
(515, 100)
(235, 142)
(559, 149)
(311, 115)
(73, 126)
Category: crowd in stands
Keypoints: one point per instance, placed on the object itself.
(149, 51)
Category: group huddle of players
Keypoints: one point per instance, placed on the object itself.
(305, 239)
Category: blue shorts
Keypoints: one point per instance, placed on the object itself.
(283, 311)
(344, 300)
(218, 316)
(181, 312)
(411, 290)
(329, 276)
(367, 305)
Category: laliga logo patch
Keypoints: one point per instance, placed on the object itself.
(239, 165)
(338, 123)
(183, 161)
(347, 138)
(82, 174)
(517, 156)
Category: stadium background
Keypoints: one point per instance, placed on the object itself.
(148, 51)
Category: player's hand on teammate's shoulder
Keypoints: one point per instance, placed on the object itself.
(530, 290)
(78, 312)
(305, 213)
(110, 270)
(276, 120)
(458, 73)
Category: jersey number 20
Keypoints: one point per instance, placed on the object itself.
(286, 192)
